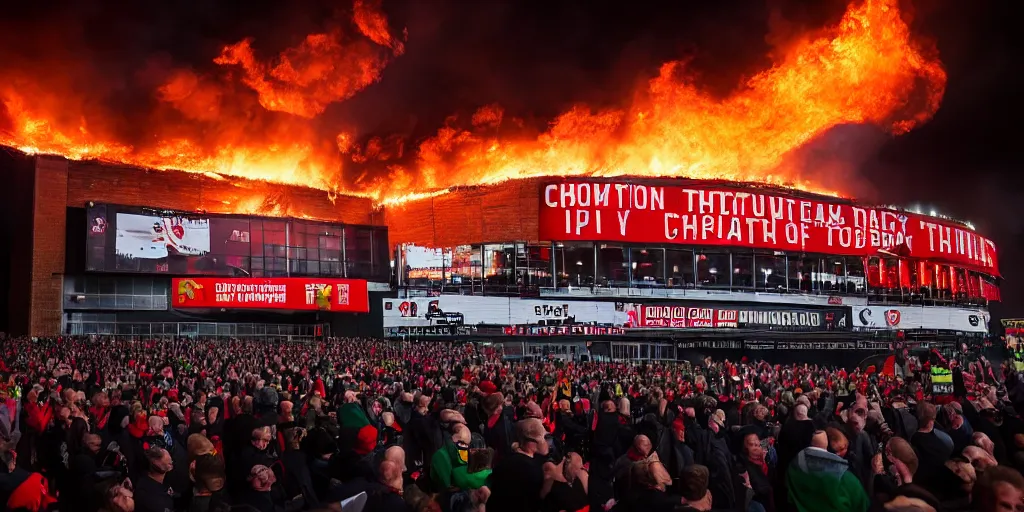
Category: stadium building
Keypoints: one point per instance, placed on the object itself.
(619, 268)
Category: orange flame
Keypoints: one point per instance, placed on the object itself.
(865, 69)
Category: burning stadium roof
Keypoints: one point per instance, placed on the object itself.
(263, 118)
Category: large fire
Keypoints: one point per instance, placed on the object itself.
(865, 69)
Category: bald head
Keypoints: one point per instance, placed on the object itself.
(642, 444)
(800, 412)
(608, 406)
(397, 455)
(533, 411)
(390, 474)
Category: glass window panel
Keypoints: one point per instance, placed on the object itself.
(535, 270)
(313, 268)
(123, 285)
(770, 272)
(235, 235)
(679, 265)
(256, 235)
(274, 237)
(574, 264)
(107, 285)
(382, 254)
(742, 269)
(612, 266)
(499, 264)
(647, 266)
(160, 286)
(833, 274)
(142, 286)
(329, 242)
(713, 269)
(123, 301)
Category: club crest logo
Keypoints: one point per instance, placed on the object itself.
(892, 317)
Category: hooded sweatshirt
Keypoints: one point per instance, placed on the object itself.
(821, 481)
(448, 469)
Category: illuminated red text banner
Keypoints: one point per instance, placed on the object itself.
(625, 212)
(292, 293)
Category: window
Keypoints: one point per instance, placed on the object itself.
(359, 251)
(612, 266)
(802, 270)
(574, 264)
(770, 271)
(831, 274)
(467, 270)
(713, 269)
(382, 255)
(856, 281)
(679, 267)
(891, 275)
(500, 265)
(536, 265)
(742, 269)
(647, 267)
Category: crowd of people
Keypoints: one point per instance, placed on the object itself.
(370, 425)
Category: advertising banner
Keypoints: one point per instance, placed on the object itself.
(291, 293)
(626, 212)
(501, 311)
(748, 317)
(920, 317)
(538, 317)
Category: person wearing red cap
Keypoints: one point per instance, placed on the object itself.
(487, 387)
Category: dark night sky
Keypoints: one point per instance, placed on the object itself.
(537, 58)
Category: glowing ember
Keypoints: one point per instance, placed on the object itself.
(866, 69)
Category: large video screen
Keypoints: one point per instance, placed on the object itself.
(133, 239)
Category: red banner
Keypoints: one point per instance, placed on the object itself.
(625, 212)
(682, 317)
(293, 293)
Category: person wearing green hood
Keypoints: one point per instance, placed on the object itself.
(820, 481)
(449, 467)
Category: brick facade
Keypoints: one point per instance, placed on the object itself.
(102, 183)
(49, 218)
(498, 213)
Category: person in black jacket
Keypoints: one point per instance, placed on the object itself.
(498, 425)
(712, 452)
(759, 475)
(572, 433)
(385, 495)
(296, 478)
(82, 476)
